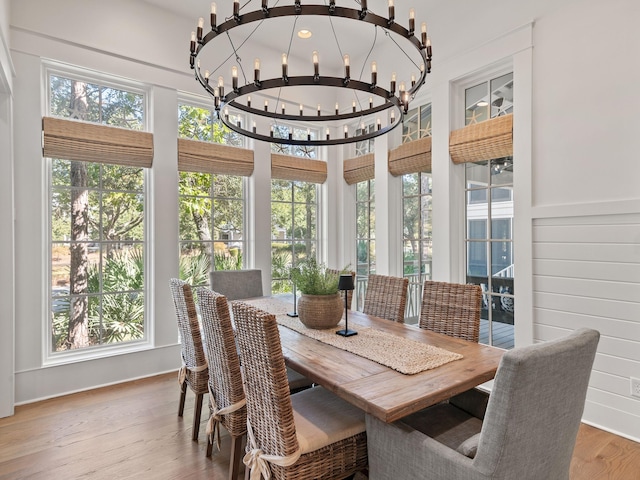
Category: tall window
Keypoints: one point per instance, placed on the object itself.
(489, 213)
(97, 225)
(365, 236)
(417, 238)
(212, 206)
(294, 232)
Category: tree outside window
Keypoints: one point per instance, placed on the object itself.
(211, 206)
(294, 232)
(96, 226)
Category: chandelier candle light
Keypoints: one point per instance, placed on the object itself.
(390, 106)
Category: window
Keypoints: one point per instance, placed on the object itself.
(365, 146)
(489, 218)
(417, 123)
(97, 225)
(294, 232)
(417, 239)
(284, 131)
(365, 236)
(212, 206)
(199, 123)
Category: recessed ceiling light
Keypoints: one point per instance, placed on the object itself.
(483, 103)
(304, 33)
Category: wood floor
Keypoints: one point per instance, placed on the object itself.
(132, 431)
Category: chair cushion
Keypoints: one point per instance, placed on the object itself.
(469, 447)
(322, 418)
(297, 381)
(445, 423)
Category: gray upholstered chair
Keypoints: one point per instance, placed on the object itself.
(529, 428)
(237, 284)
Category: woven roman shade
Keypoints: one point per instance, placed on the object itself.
(359, 169)
(411, 157)
(207, 157)
(90, 142)
(482, 141)
(286, 167)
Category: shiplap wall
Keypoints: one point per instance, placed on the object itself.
(586, 273)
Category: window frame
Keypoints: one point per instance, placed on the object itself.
(473, 188)
(49, 356)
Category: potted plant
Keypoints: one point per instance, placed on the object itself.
(319, 305)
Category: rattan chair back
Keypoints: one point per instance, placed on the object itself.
(451, 308)
(194, 371)
(386, 297)
(270, 410)
(269, 407)
(225, 378)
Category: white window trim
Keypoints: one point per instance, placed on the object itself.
(49, 357)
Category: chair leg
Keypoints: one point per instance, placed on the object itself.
(209, 446)
(236, 457)
(183, 396)
(197, 413)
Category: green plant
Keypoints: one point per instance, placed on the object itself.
(312, 278)
(228, 261)
(194, 269)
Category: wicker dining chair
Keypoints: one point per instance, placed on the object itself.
(451, 308)
(386, 297)
(349, 292)
(226, 393)
(311, 434)
(194, 372)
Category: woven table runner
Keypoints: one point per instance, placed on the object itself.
(401, 354)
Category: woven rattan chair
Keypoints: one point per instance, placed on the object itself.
(386, 297)
(226, 394)
(194, 371)
(308, 435)
(451, 308)
(349, 292)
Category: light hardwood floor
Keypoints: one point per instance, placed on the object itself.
(132, 431)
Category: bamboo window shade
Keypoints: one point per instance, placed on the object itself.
(411, 157)
(207, 157)
(90, 142)
(359, 169)
(482, 141)
(298, 169)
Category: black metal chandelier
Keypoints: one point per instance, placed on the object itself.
(392, 102)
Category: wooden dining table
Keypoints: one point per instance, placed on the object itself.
(379, 390)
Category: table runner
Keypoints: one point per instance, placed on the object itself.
(401, 354)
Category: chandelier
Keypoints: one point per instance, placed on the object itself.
(305, 91)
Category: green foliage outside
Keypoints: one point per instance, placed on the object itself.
(118, 314)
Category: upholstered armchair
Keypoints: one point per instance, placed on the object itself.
(528, 431)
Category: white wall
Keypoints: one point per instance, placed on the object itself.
(7, 267)
(586, 199)
(574, 130)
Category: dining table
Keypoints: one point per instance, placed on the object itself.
(378, 389)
